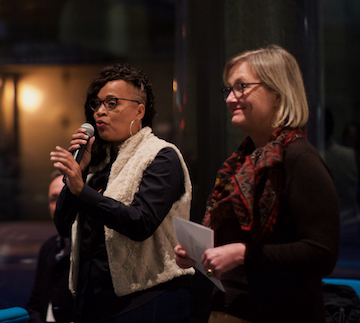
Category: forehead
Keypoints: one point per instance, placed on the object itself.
(56, 185)
(241, 72)
(117, 88)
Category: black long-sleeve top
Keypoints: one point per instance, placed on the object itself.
(281, 279)
(162, 184)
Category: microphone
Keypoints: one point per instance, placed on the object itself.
(78, 153)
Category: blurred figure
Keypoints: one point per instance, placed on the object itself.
(351, 136)
(351, 139)
(51, 299)
(341, 161)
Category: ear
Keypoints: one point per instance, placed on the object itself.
(277, 100)
(140, 111)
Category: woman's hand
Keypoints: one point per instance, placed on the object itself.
(181, 258)
(79, 138)
(224, 258)
(67, 165)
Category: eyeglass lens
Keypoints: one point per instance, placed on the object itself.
(109, 103)
(237, 88)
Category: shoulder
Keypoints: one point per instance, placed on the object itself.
(167, 160)
(51, 243)
(299, 147)
(53, 240)
(301, 151)
(165, 151)
(160, 145)
(168, 153)
(48, 249)
(303, 161)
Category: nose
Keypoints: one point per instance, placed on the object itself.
(101, 110)
(232, 97)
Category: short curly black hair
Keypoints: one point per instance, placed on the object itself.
(129, 74)
(138, 79)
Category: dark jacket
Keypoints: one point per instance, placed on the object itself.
(51, 283)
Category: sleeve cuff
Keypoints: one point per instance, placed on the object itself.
(89, 197)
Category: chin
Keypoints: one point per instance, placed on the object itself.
(237, 122)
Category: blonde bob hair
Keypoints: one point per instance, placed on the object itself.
(279, 71)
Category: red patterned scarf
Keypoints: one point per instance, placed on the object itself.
(251, 177)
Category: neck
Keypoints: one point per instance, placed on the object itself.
(113, 151)
(260, 140)
(116, 144)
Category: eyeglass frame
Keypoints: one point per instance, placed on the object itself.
(107, 99)
(227, 90)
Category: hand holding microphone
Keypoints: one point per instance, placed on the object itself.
(74, 161)
(79, 152)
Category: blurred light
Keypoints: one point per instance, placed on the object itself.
(182, 124)
(9, 90)
(175, 86)
(7, 104)
(183, 31)
(306, 25)
(30, 98)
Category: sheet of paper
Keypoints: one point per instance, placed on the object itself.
(195, 239)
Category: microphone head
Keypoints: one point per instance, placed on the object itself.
(89, 129)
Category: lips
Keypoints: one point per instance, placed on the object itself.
(237, 109)
(100, 124)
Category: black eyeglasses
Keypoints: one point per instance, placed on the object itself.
(109, 103)
(238, 89)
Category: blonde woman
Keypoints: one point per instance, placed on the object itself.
(273, 207)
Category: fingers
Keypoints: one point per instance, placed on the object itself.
(67, 165)
(79, 138)
(61, 156)
(184, 262)
(64, 161)
(206, 260)
(90, 143)
(181, 258)
(211, 264)
(224, 258)
(179, 250)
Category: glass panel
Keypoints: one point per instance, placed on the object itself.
(342, 122)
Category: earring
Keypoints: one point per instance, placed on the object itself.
(131, 123)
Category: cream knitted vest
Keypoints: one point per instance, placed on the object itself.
(136, 266)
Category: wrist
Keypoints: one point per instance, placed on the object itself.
(240, 253)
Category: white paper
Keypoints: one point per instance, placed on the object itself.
(195, 239)
(49, 314)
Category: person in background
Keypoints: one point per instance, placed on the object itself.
(274, 207)
(51, 300)
(123, 266)
(342, 164)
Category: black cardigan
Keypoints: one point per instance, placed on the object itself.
(281, 278)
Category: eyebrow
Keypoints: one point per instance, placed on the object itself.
(239, 79)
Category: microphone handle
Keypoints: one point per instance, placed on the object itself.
(78, 153)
